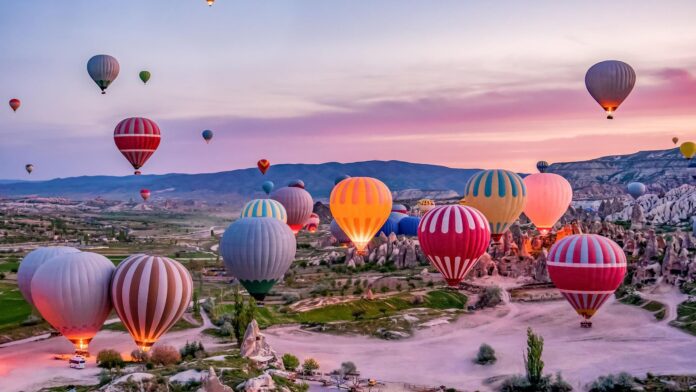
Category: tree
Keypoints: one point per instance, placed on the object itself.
(196, 304)
(290, 362)
(348, 367)
(165, 355)
(486, 355)
(491, 296)
(310, 365)
(533, 363)
(109, 359)
(622, 382)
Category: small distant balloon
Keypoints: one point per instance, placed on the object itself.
(103, 69)
(542, 166)
(340, 178)
(207, 135)
(15, 104)
(210, 2)
(675, 140)
(297, 184)
(145, 194)
(267, 187)
(144, 76)
(263, 165)
(636, 189)
(609, 83)
(29, 168)
(688, 149)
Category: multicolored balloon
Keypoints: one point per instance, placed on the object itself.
(15, 104)
(145, 194)
(150, 294)
(263, 165)
(453, 238)
(587, 269)
(32, 261)
(267, 186)
(71, 291)
(258, 252)
(144, 76)
(425, 205)
(400, 208)
(297, 202)
(103, 69)
(313, 223)
(542, 166)
(548, 198)
(207, 135)
(688, 149)
(137, 138)
(264, 208)
(29, 168)
(360, 205)
(609, 83)
(636, 189)
(500, 195)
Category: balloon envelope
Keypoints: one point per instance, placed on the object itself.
(103, 69)
(409, 226)
(391, 225)
(71, 291)
(298, 203)
(400, 208)
(258, 251)
(425, 205)
(548, 198)
(263, 165)
(453, 238)
(267, 186)
(609, 83)
(145, 194)
(150, 294)
(137, 138)
(264, 208)
(15, 104)
(636, 189)
(144, 76)
(207, 135)
(297, 184)
(29, 168)
(360, 205)
(32, 261)
(313, 223)
(542, 166)
(688, 149)
(675, 140)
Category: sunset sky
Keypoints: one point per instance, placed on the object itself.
(495, 84)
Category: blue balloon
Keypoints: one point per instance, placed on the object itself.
(267, 187)
(542, 166)
(390, 226)
(297, 184)
(207, 135)
(409, 226)
(636, 189)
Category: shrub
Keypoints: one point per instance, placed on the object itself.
(358, 314)
(165, 355)
(348, 367)
(622, 382)
(109, 359)
(491, 296)
(533, 363)
(290, 362)
(192, 350)
(309, 366)
(227, 329)
(139, 356)
(2, 275)
(485, 355)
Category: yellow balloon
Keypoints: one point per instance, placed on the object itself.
(501, 196)
(688, 149)
(360, 206)
(425, 205)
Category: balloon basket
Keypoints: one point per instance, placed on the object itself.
(82, 352)
(586, 324)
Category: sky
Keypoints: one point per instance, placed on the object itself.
(458, 83)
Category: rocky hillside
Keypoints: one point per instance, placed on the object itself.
(677, 205)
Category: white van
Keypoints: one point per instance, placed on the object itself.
(77, 362)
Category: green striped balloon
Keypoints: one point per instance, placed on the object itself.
(260, 208)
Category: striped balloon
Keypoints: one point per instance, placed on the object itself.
(103, 69)
(297, 202)
(259, 208)
(453, 238)
(609, 83)
(32, 261)
(587, 269)
(400, 208)
(500, 195)
(150, 294)
(258, 251)
(137, 138)
(542, 166)
(360, 205)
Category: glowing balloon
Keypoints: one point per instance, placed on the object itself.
(150, 294)
(145, 194)
(425, 205)
(500, 195)
(15, 104)
(548, 198)
(258, 252)
(210, 2)
(267, 186)
(453, 238)
(688, 149)
(207, 135)
(144, 76)
(264, 208)
(675, 140)
(32, 261)
(29, 168)
(297, 202)
(542, 166)
(609, 83)
(103, 69)
(71, 291)
(587, 269)
(360, 205)
(263, 165)
(313, 223)
(137, 138)
(636, 189)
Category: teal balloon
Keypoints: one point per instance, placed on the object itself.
(264, 208)
(267, 187)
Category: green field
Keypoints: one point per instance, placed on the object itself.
(686, 317)
(9, 266)
(14, 308)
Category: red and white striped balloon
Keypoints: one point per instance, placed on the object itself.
(587, 269)
(137, 138)
(453, 238)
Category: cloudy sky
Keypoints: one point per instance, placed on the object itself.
(458, 83)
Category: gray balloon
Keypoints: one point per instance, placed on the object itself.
(32, 261)
(103, 69)
(297, 202)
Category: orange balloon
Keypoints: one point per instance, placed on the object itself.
(548, 198)
(360, 206)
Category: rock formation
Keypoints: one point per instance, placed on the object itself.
(255, 347)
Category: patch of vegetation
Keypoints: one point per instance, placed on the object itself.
(490, 297)
(290, 362)
(14, 308)
(178, 326)
(686, 317)
(485, 355)
(109, 359)
(622, 382)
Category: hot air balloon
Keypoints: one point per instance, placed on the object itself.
(338, 233)
(103, 69)
(400, 208)
(548, 198)
(462, 201)
(425, 205)
(587, 269)
(609, 83)
(453, 238)
(360, 205)
(267, 186)
(263, 165)
(32, 261)
(409, 226)
(264, 208)
(675, 140)
(391, 225)
(297, 184)
(210, 2)
(258, 251)
(313, 223)
(542, 166)
(207, 135)
(14, 104)
(297, 202)
(29, 168)
(145, 194)
(340, 178)
(71, 291)
(688, 149)
(500, 195)
(137, 138)
(150, 294)
(636, 189)
(144, 76)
